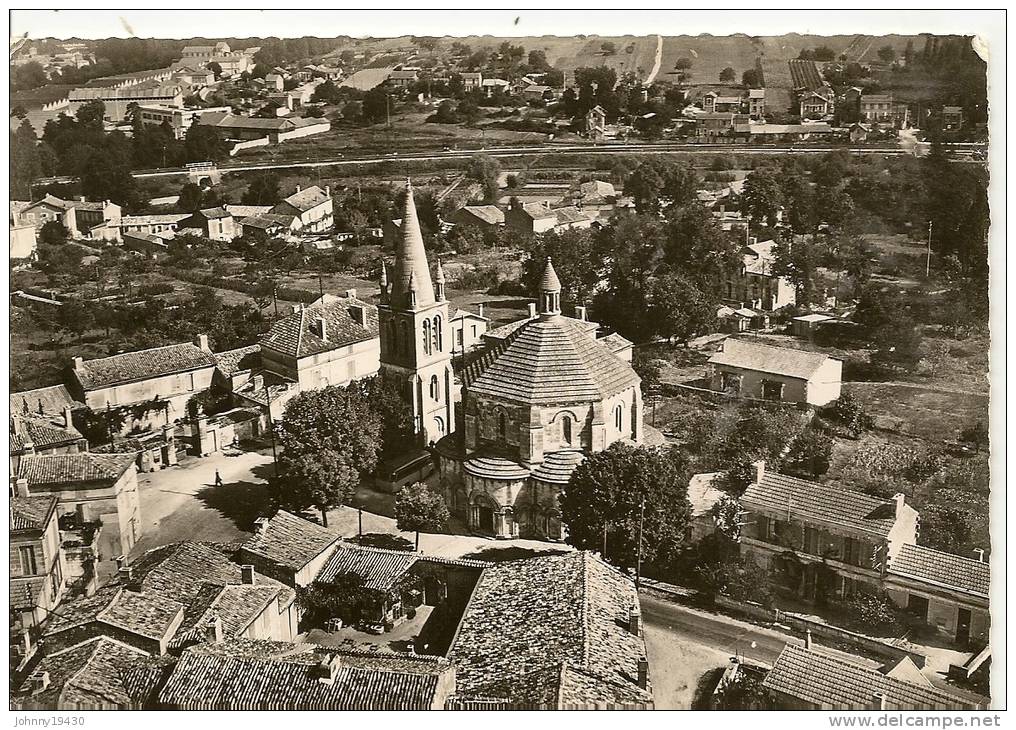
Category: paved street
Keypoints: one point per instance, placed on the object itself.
(183, 503)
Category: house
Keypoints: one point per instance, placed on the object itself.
(164, 377)
(754, 284)
(178, 118)
(539, 217)
(596, 123)
(100, 673)
(756, 103)
(808, 678)
(289, 548)
(188, 76)
(858, 132)
(763, 133)
(50, 400)
(710, 126)
(77, 216)
(215, 223)
(877, 108)
(332, 341)
(822, 543)
(161, 223)
(258, 675)
(313, 206)
(468, 329)
(150, 245)
(493, 86)
(471, 81)
(484, 217)
(952, 117)
(33, 433)
(594, 196)
(714, 103)
(807, 324)
(277, 130)
(275, 81)
(568, 636)
(538, 92)
(817, 104)
(270, 225)
(101, 489)
(38, 569)
(703, 497)
(23, 240)
(403, 79)
(235, 367)
(946, 591)
(752, 370)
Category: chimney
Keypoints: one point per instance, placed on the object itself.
(322, 328)
(247, 575)
(760, 470)
(297, 308)
(78, 363)
(350, 294)
(807, 639)
(259, 382)
(201, 341)
(752, 241)
(121, 561)
(38, 681)
(67, 416)
(328, 190)
(21, 487)
(126, 573)
(643, 668)
(634, 618)
(580, 313)
(479, 308)
(532, 310)
(213, 630)
(878, 701)
(900, 499)
(82, 198)
(261, 525)
(978, 553)
(327, 670)
(297, 188)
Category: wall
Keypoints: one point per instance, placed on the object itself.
(23, 241)
(794, 389)
(825, 385)
(307, 131)
(250, 144)
(177, 388)
(339, 366)
(943, 607)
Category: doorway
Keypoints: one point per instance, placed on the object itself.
(485, 519)
(963, 627)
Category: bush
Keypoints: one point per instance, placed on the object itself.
(876, 613)
(849, 413)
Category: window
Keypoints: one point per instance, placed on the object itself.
(426, 337)
(811, 540)
(730, 382)
(772, 390)
(27, 555)
(435, 388)
(566, 430)
(438, 334)
(502, 426)
(619, 417)
(851, 551)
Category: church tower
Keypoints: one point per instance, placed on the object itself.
(416, 337)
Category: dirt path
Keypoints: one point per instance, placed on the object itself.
(659, 60)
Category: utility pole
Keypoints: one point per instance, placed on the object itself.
(638, 563)
(604, 553)
(271, 427)
(927, 266)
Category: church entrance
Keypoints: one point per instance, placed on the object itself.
(485, 518)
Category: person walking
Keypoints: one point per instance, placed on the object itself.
(218, 478)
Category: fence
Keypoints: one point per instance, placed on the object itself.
(881, 648)
(259, 142)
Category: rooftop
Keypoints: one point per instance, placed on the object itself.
(263, 675)
(810, 501)
(31, 513)
(54, 471)
(954, 572)
(832, 682)
(304, 200)
(151, 363)
(299, 334)
(231, 362)
(550, 631)
(489, 214)
(41, 432)
(768, 359)
(380, 569)
(290, 541)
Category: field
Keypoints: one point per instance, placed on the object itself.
(804, 74)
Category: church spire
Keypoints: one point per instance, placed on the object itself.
(383, 281)
(550, 290)
(411, 259)
(439, 281)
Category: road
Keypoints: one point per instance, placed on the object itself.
(656, 64)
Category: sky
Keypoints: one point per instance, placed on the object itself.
(238, 23)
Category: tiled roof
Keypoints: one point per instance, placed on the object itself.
(557, 467)
(290, 541)
(211, 213)
(810, 501)
(242, 211)
(147, 613)
(152, 363)
(489, 214)
(31, 513)
(144, 91)
(149, 220)
(231, 362)
(835, 683)
(277, 386)
(537, 210)
(951, 571)
(759, 258)
(297, 335)
(261, 675)
(308, 198)
(767, 359)
(380, 569)
(236, 606)
(57, 470)
(53, 399)
(529, 617)
(492, 466)
(98, 672)
(40, 432)
(551, 360)
(228, 120)
(617, 342)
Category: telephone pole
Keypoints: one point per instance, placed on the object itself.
(638, 562)
(927, 266)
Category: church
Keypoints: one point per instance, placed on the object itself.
(543, 394)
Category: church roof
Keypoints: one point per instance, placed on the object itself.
(550, 360)
(411, 259)
(550, 282)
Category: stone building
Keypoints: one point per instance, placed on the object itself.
(544, 394)
(416, 334)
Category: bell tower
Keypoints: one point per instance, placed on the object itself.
(416, 337)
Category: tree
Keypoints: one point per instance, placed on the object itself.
(697, 248)
(486, 170)
(887, 54)
(648, 370)
(263, 189)
(622, 493)
(679, 309)
(751, 79)
(798, 262)
(375, 105)
(385, 395)
(976, 434)
(762, 197)
(849, 412)
(204, 143)
(216, 68)
(53, 233)
(419, 508)
(329, 439)
(191, 196)
(344, 596)
(575, 258)
(810, 454)
(727, 75)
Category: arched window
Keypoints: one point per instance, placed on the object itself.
(435, 388)
(439, 425)
(619, 417)
(438, 344)
(426, 337)
(566, 430)
(502, 426)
